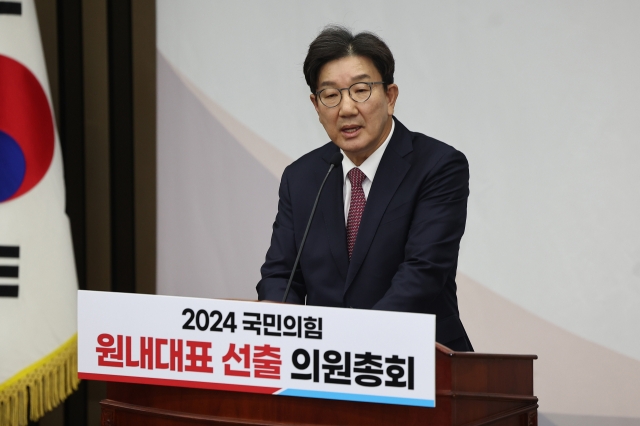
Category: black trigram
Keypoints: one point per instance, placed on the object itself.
(10, 8)
(9, 270)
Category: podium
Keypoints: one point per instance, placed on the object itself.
(472, 389)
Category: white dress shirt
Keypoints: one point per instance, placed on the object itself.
(368, 167)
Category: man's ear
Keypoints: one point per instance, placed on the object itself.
(314, 101)
(392, 97)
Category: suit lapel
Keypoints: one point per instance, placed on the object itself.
(391, 171)
(331, 205)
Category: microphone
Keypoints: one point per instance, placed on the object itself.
(335, 161)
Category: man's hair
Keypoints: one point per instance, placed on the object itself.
(335, 42)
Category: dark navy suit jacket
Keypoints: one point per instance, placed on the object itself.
(406, 251)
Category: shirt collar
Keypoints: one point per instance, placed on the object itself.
(370, 165)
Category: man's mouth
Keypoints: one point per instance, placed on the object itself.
(350, 131)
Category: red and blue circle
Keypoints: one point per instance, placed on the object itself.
(26, 130)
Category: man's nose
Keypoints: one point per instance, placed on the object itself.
(347, 105)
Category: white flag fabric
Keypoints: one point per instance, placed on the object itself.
(38, 284)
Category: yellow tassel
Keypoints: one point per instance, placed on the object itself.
(41, 386)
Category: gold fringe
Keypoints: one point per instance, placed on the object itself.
(49, 381)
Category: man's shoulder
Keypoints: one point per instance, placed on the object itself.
(426, 146)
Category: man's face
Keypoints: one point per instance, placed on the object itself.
(358, 128)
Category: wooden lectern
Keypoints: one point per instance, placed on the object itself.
(472, 389)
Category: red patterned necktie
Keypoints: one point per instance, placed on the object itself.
(356, 177)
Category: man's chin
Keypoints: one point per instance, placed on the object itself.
(350, 146)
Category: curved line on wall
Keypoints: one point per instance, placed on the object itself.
(268, 155)
(571, 376)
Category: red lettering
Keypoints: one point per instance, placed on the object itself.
(266, 368)
(198, 357)
(175, 349)
(130, 362)
(159, 364)
(109, 354)
(146, 352)
(245, 351)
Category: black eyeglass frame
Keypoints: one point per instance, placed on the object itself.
(348, 89)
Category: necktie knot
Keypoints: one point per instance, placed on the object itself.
(356, 177)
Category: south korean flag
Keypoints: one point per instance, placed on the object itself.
(38, 284)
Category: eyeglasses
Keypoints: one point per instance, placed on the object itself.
(359, 92)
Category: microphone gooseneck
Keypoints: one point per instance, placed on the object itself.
(335, 161)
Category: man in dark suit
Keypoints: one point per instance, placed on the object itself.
(390, 218)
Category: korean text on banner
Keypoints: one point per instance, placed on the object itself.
(304, 351)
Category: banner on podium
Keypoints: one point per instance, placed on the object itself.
(292, 350)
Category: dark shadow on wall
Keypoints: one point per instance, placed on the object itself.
(76, 44)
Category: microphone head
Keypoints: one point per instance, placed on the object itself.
(336, 160)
